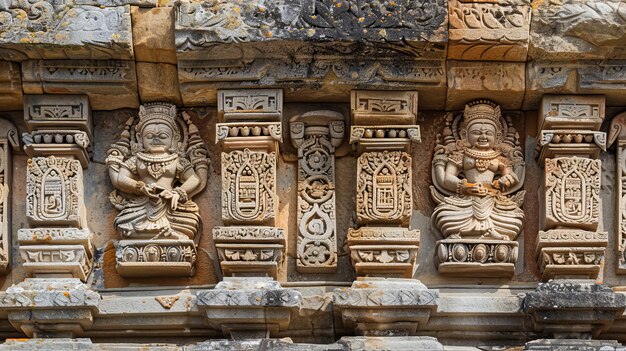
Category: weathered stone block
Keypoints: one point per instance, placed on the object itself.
(489, 31)
(377, 107)
(384, 307)
(39, 307)
(574, 29)
(502, 82)
(573, 308)
(158, 82)
(573, 345)
(110, 84)
(248, 307)
(153, 34)
(48, 30)
(10, 86)
(606, 77)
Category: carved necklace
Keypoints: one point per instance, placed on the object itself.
(482, 158)
(157, 164)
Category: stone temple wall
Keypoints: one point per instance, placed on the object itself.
(312, 175)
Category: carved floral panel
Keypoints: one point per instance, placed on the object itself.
(248, 185)
(572, 192)
(317, 232)
(384, 187)
(54, 192)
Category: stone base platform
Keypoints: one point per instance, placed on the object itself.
(150, 258)
(480, 258)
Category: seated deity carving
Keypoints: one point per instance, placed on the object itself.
(157, 166)
(478, 169)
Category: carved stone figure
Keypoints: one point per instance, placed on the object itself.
(157, 166)
(478, 169)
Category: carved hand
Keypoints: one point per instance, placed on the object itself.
(172, 196)
(505, 182)
(476, 189)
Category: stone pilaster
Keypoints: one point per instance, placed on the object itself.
(617, 136)
(9, 142)
(571, 242)
(383, 128)
(59, 241)
(316, 134)
(250, 131)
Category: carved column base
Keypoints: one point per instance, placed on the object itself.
(155, 258)
(478, 257)
(576, 309)
(570, 253)
(244, 308)
(249, 251)
(384, 251)
(56, 252)
(46, 307)
(385, 307)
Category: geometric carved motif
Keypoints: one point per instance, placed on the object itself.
(248, 185)
(54, 192)
(384, 187)
(317, 232)
(572, 190)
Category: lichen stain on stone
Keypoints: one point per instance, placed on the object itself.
(536, 3)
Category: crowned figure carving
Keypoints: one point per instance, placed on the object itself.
(157, 166)
(478, 169)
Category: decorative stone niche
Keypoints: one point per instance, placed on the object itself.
(383, 128)
(478, 170)
(316, 134)
(571, 242)
(157, 166)
(249, 130)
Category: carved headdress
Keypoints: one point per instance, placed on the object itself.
(159, 112)
(482, 110)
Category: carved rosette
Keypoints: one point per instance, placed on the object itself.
(317, 230)
(569, 244)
